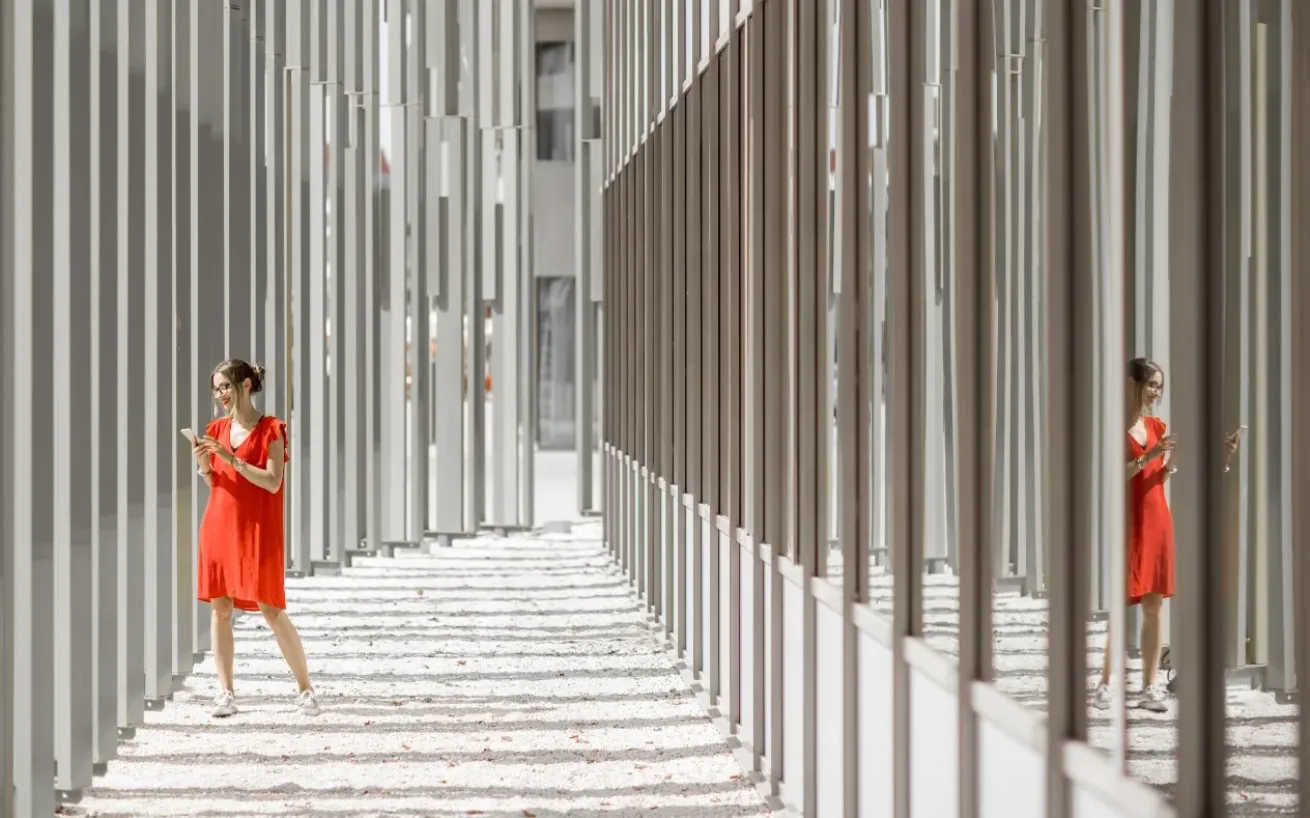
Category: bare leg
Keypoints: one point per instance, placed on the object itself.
(1151, 637)
(220, 634)
(288, 639)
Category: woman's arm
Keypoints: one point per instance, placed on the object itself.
(268, 478)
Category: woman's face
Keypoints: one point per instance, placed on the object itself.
(1152, 390)
(225, 392)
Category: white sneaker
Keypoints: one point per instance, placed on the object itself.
(1154, 699)
(307, 703)
(225, 704)
(1101, 697)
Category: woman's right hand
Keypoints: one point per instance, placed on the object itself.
(201, 453)
(1165, 445)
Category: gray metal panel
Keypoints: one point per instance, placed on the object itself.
(470, 84)
(349, 377)
(452, 381)
(373, 269)
(419, 306)
(131, 428)
(338, 113)
(239, 330)
(298, 159)
(73, 379)
(161, 440)
(207, 286)
(184, 466)
(274, 352)
(312, 405)
(29, 245)
(104, 365)
(256, 135)
(391, 353)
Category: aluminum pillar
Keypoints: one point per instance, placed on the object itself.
(299, 159)
(130, 323)
(256, 138)
(391, 354)
(444, 222)
(184, 376)
(416, 272)
(72, 381)
(105, 365)
(160, 440)
(312, 406)
(507, 242)
(588, 28)
(472, 82)
(336, 123)
(29, 477)
(349, 377)
(272, 146)
(373, 271)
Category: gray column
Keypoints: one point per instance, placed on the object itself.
(239, 332)
(472, 82)
(391, 353)
(416, 264)
(587, 30)
(184, 568)
(507, 237)
(161, 440)
(29, 482)
(334, 90)
(444, 222)
(298, 159)
(105, 365)
(373, 248)
(130, 320)
(256, 136)
(348, 377)
(311, 405)
(274, 76)
(207, 306)
(72, 381)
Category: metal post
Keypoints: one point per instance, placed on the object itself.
(392, 407)
(416, 272)
(313, 409)
(587, 197)
(453, 382)
(372, 270)
(349, 375)
(472, 82)
(338, 300)
(131, 346)
(180, 416)
(29, 244)
(72, 378)
(160, 440)
(298, 234)
(257, 174)
(104, 365)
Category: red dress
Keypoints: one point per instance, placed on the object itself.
(1151, 524)
(241, 545)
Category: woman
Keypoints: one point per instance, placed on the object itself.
(242, 456)
(1151, 527)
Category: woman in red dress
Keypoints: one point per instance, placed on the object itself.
(242, 456)
(1151, 526)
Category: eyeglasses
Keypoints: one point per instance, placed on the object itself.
(222, 389)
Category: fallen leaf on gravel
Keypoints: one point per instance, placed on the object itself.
(527, 814)
(461, 663)
(404, 746)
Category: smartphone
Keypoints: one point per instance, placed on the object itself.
(190, 436)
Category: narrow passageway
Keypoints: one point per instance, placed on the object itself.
(501, 677)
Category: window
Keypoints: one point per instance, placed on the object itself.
(555, 126)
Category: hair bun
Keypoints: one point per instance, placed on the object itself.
(257, 383)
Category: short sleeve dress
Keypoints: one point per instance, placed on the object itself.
(1151, 525)
(241, 538)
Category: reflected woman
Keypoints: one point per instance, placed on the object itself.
(1151, 526)
(242, 456)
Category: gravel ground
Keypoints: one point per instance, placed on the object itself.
(1262, 733)
(508, 678)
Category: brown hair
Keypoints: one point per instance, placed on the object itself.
(1141, 370)
(238, 371)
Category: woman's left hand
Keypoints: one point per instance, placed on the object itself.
(212, 446)
(1233, 442)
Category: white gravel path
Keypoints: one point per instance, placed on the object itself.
(501, 677)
